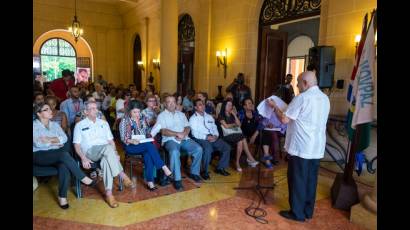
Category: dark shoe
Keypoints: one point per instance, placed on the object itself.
(194, 177)
(64, 206)
(222, 172)
(178, 185)
(289, 215)
(171, 177)
(275, 162)
(164, 181)
(205, 176)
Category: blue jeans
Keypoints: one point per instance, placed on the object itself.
(192, 148)
(151, 157)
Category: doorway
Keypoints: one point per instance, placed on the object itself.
(280, 21)
(186, 54)
(272, 62)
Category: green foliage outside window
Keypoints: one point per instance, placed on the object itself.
(57, 55)
(54, 65)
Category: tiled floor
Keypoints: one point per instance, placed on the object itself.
(211, 205)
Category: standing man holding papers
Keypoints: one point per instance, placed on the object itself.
(134, 124)
(306, 117)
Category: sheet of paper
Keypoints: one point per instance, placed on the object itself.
(142, 138)
(266, 111)
(138, 137)
(147, 140)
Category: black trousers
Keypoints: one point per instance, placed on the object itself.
(302, 183)
(64, 163)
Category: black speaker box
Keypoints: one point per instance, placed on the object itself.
(322, 58)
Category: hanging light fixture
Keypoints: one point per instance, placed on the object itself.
(75, 28)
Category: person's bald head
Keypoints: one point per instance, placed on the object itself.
(306, 80)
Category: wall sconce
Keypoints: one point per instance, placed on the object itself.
(221, 58)
(141, 65)
(155, 62)
(357, 40)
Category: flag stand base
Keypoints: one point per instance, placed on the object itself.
(344, 194)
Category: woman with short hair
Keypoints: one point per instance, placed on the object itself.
(133, 123)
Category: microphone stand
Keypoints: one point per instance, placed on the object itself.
(258, 187)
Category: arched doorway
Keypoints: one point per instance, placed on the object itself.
(275, 30)
(297, 58)
(137, 57)
(186, 53)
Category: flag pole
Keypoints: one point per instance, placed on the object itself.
(344, 193)
(348, 171)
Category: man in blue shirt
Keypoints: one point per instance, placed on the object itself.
(72, 105)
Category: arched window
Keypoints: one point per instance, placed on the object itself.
(56, 55)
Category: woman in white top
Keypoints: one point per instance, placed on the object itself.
(122, 99)
(119, 105)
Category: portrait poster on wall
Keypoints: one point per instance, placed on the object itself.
(82, 74)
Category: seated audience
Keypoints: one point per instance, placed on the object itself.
(99, 95)
(107, 105)
(120, 104)
(209, 105)
(133, 123)
(58, 116)
(179, 102)
(93, 141)
(230, 125)
(150, 113)
(38, 98)
(49, 149)
(81, 115)
(228, 96)
(175, 129)
(72, 105)
(206, 134)
(252, 125)
(187, 101)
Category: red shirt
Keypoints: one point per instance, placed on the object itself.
(60, 88)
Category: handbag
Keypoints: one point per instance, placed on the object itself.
(230, 131)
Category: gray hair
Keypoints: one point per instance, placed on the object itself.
(87, 103)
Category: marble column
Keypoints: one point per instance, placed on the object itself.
(169, 46)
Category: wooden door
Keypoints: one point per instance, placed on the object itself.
(271, 62)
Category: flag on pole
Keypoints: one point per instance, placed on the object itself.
(361, 89)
